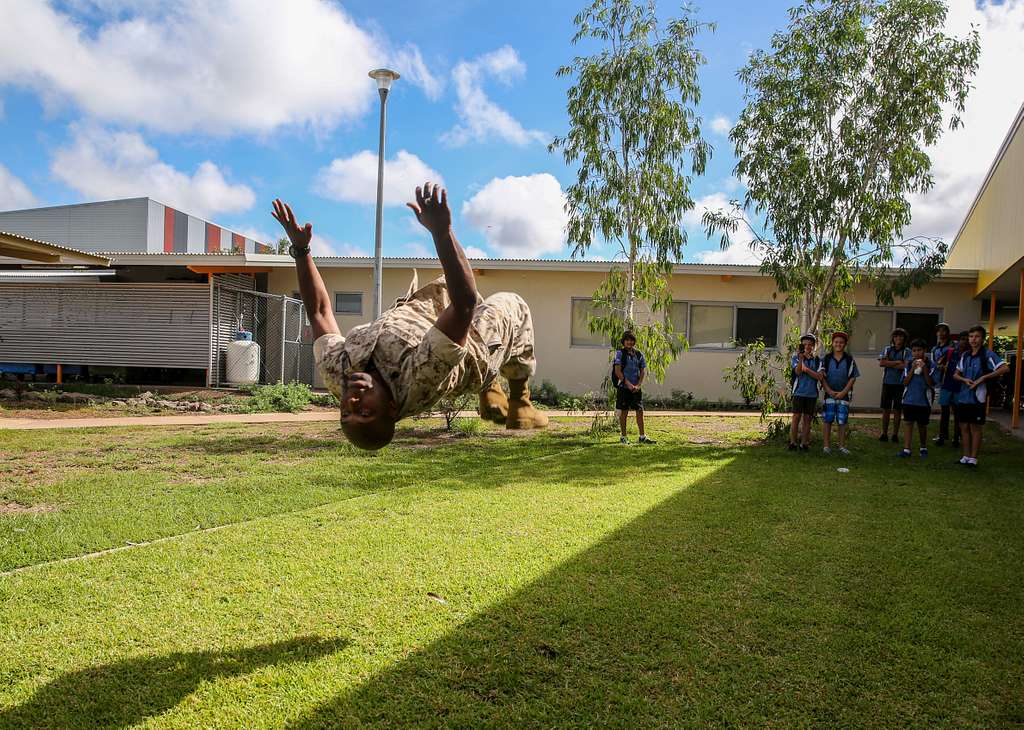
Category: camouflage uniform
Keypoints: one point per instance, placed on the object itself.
(420, 364)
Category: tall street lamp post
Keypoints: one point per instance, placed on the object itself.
(384, 78)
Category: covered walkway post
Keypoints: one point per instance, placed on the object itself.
(1015, 419)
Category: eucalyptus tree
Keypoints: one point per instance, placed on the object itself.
(636, 139)
(832, 143)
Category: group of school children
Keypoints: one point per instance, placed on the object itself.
(912, 374)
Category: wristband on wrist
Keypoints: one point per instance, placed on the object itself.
(297, 253)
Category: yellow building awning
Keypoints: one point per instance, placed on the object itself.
(22, 248)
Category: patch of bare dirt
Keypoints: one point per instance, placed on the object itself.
(16, 508)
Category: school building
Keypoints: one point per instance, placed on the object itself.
(164, 292)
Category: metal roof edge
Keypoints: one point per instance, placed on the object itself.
(365, 262)
(1014, 127)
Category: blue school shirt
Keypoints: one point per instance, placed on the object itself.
(972, 367)
(917, 391)
(805, 386)
(950, 352)
(894, 376)
(838, 373)
(631, 365)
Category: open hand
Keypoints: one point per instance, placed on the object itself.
(431, 208)
(300, 237)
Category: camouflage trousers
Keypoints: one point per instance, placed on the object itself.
(502, 333)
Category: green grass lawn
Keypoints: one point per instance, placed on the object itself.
(554, 579)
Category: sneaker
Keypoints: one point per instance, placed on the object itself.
(805, 447)
(623, 440)
(923, 453)
(884, 437)
(963, 461)
(904, 454)
(645, 440)
(826, 451)
(844, 451)
(939, 441)
(973, 464)
(793, 447)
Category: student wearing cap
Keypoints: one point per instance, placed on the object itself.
(945, 356)
(804, 366)
(918, 384)
(976, 367)
(839, 372)
(894, 359)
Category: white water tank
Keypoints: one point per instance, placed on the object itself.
(243, 360)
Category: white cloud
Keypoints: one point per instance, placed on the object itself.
(418, 250)
(354, 179)
(103, 164)
(721, 125)
(409, 61)
(520, 216)
(480, 118)
(961, 159)
(192, 65)
(14, 193)
(326, 246)
(738, 251)
(475, 252)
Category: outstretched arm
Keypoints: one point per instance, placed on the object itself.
(431, 209)
(311, 285)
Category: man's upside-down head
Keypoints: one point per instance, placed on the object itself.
(368, 412)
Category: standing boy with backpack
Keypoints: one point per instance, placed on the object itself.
(894, 359)
(804, 366)
(945, 360)
(629, 368)
(917, 398)
(839, 371)
(977, 366)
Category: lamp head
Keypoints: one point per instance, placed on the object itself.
(384, 78)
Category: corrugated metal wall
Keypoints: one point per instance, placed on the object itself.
(117, 225)
(123, 325)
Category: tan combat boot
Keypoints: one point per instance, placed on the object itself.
(521, 412)
(493, 403)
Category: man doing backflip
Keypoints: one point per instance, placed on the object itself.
(441, 340)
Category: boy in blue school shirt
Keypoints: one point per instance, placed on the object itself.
(918, 383)
(977, 366)
(943, 357)
(840, 372)
(630, 368)
(804, 365)
(894, 359)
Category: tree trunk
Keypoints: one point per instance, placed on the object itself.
(631, 279)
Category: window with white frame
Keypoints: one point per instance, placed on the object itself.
(723, 326)
(872, 328)
(348, 302)
(580, 334)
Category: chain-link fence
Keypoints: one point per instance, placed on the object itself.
(278, 325)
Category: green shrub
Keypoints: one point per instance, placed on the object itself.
(279, 398)
(325, 400)
(468, 426)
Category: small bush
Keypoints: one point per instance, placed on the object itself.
(279, 398)
(325, 400)
(468, 426)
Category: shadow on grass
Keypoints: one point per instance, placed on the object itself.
(758, 595)
(128, 692)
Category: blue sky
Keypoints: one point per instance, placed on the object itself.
(217, 108)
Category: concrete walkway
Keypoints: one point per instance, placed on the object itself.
(311, 417)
